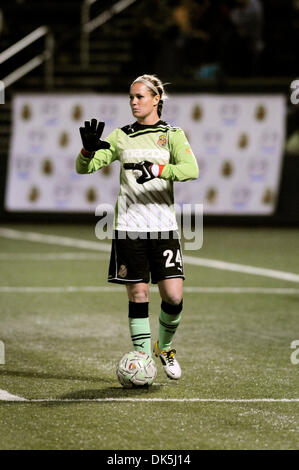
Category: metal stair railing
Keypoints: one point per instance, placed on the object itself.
(45, 57)
(88, 25)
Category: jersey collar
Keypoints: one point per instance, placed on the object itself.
(138, 127)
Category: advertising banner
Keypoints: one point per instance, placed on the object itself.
(238, 141)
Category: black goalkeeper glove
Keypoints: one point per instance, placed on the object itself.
(148, 170)
(91, 136)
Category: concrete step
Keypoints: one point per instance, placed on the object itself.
(83, 83)
(94, 70)
(68, 64)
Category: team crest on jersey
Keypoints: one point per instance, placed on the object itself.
(162, 141)
(122, 272)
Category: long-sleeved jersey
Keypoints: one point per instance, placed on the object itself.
(145, 207)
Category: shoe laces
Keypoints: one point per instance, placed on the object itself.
(170, 356)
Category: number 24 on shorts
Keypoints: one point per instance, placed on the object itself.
(169, 254)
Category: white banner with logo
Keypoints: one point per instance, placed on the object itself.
(238, 142)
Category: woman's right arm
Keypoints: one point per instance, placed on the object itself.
(101, 158)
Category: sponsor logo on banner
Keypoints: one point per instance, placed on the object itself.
(77, 112)
(33, 194)
(64, 139)
(62, 193)
(243, 141)
(268, 196)
(211, 195)
(212, 140)
(47, 167)
(26, 112)
(37, 138)
(230, 113)
(260, 113)
(106, 171)
(91, 195)
(269, 141)
(258, 169)
(50, 112)
(23, 167)
(240, 196)
(227, 169)
(197, 113)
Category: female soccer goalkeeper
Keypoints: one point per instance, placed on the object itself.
(153, 155)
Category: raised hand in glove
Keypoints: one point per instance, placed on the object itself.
(91, 136)
(144, 171)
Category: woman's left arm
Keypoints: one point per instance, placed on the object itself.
(184, 166)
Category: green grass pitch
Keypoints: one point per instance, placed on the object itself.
(62, 346)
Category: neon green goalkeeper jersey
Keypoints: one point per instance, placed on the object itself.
(147, 207)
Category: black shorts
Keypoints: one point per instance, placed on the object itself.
(133, 260)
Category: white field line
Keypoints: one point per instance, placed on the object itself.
(53, 256)
(54, 240)
(242, 290)
(241, 268)
(58, 290)
(100, 246)
(109, 289)
(7, 397)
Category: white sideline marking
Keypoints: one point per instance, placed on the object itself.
(242, 290)
(100, 246)
(5, 396)
(188, 290)
(59, 290)
(241, 268)
(52, 256)
(54, 239)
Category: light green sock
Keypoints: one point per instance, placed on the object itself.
(168, 324)
(141, 334)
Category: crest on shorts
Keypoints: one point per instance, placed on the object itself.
(122, 272)
(162, 141)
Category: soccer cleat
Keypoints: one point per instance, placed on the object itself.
(169, 362)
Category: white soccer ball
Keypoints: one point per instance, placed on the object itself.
(136, 369)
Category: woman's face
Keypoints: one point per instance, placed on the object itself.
(143, 104)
